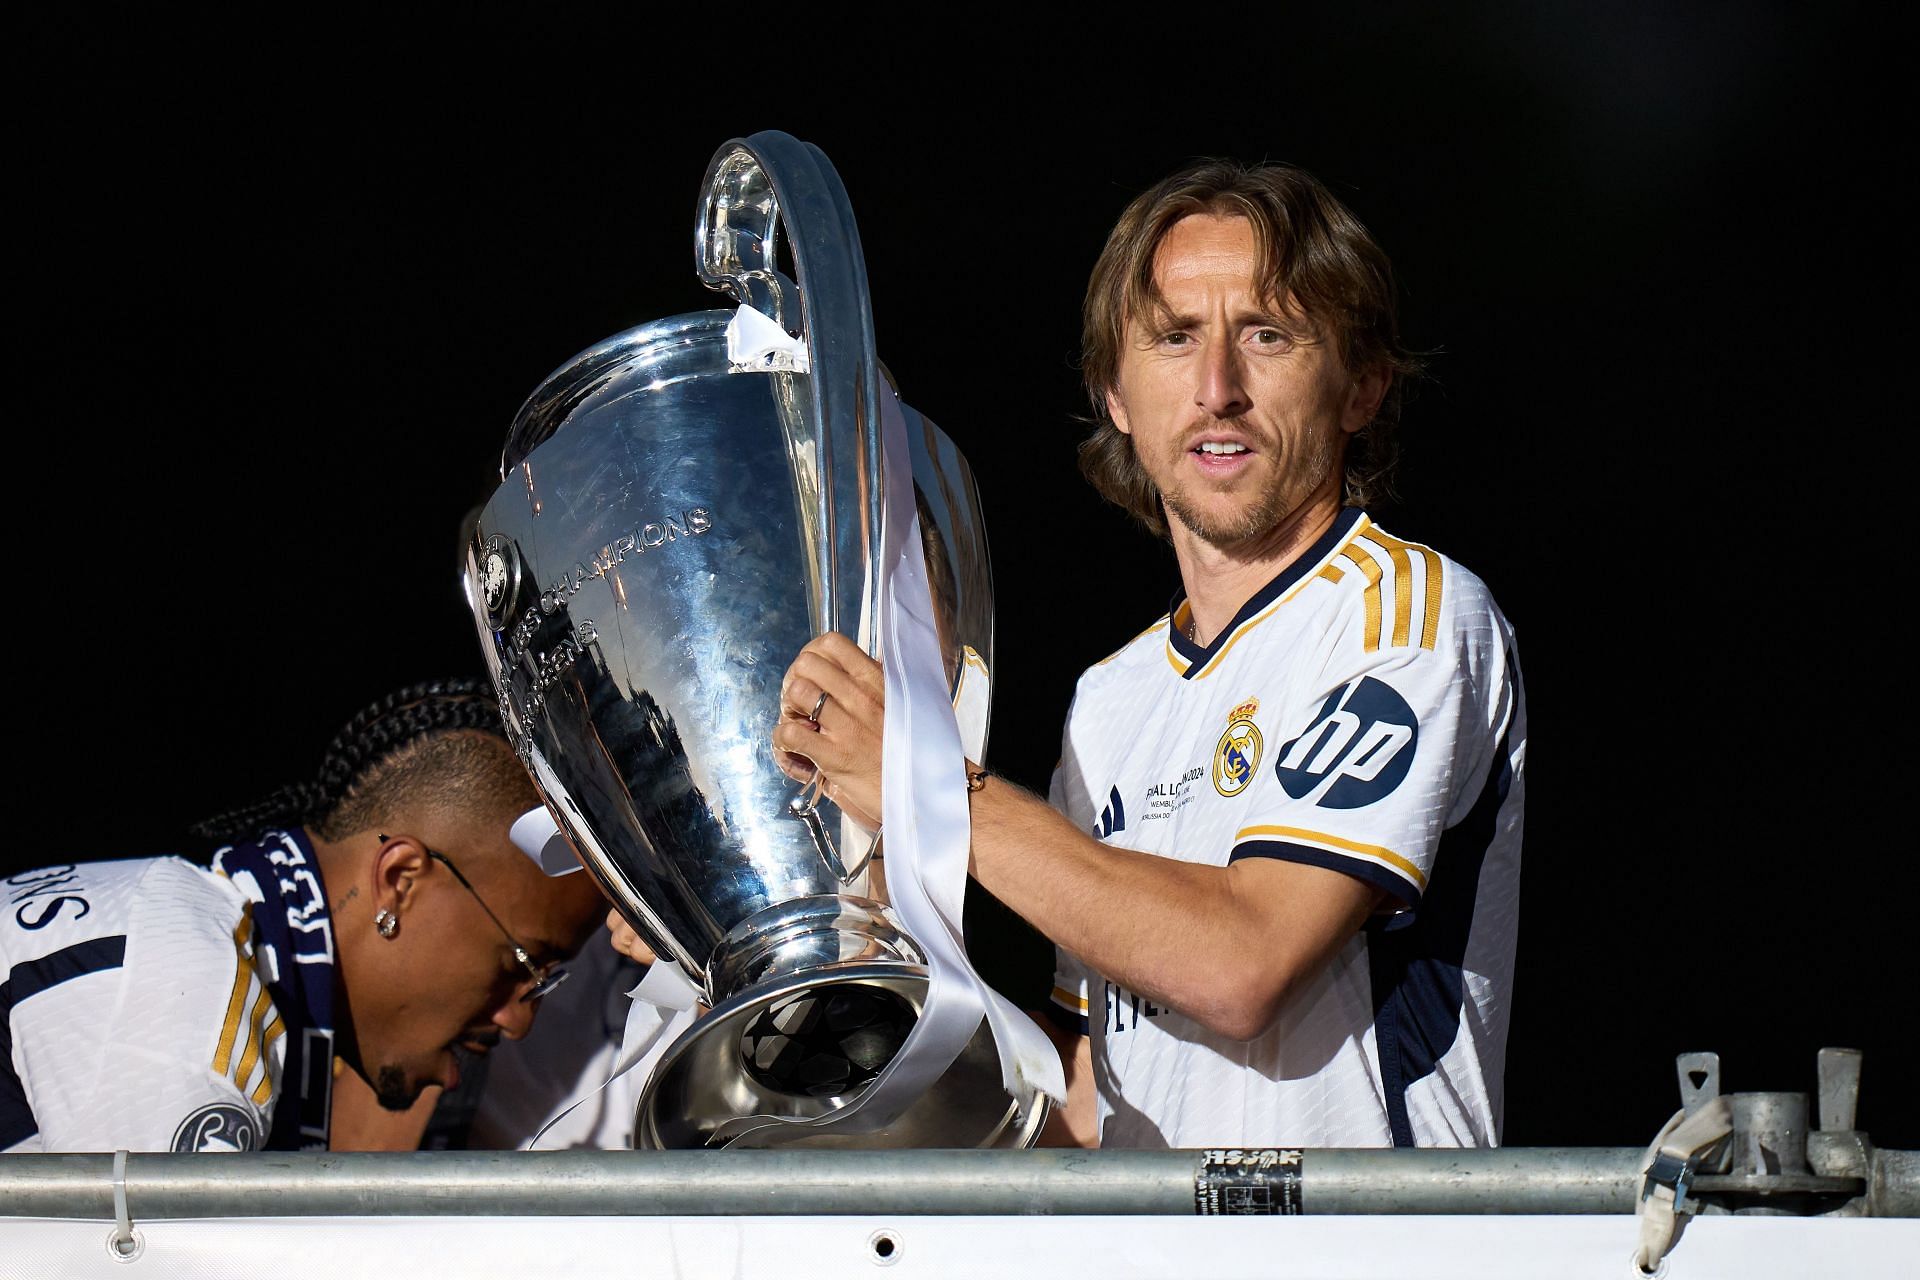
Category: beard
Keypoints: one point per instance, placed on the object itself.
(392, 1089)
(1231, 530)
(1293, 480)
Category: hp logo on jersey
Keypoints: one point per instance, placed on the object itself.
(1358, 748)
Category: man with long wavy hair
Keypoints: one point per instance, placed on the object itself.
(1281, 861)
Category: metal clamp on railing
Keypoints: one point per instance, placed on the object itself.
(1673, 1173)
(1672, 1161)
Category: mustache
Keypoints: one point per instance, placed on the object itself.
(477, 1041)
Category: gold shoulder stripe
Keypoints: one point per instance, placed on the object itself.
(1339, 844)
(1129, 644)
(275, 1029)
(1327, 571)
(1430, 618)
(237, 1001)
(1402, 585)
(1069, 999)
(244, 1072)
(1371, 567)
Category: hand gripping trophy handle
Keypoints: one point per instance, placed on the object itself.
(756, 189)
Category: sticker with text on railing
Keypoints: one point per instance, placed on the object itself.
(1253, 1181)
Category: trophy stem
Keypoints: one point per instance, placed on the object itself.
(801, 1046)
(806, 933)
(813, 998)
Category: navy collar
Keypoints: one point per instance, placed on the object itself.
(1326, 544)
(293, 948)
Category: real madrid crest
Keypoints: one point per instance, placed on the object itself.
(499, 578)
(1237, 758)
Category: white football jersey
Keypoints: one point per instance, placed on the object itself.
(1363, 712)
(135, 1014)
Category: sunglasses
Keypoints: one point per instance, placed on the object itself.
(545, 977)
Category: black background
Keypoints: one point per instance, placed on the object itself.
(282, 292)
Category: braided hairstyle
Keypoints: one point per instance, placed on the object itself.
(406, 751)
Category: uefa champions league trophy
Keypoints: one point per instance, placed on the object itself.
(682, 508)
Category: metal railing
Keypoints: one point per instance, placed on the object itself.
(1574, 1180)
(1767, 1163)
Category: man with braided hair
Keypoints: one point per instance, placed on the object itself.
(379, 913)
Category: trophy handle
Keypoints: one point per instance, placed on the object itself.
(755, 189)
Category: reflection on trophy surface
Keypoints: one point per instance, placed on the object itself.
(683, 507)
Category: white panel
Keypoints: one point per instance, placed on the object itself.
(1330, 1248)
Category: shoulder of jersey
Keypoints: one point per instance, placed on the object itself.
(1405, 595)
(115, 890)
(1147, 646)
(185, 910)
(173, 879)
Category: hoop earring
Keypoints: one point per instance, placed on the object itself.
(386, 923)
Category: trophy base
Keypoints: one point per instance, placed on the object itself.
(798, 1047)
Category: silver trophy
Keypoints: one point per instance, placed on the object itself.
(682, 508)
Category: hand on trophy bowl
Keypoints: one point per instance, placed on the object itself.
(833, 709)
(627, 941)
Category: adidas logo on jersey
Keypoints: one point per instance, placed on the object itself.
(1112, 818)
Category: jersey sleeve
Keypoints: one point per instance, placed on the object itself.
(1067, 790)
(1067, 793)
(175, 1048)
(1385, 751)
(1067, 1006)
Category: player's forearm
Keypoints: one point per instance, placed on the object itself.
(1175, 932)
(1074, 1123)
(1223, 945)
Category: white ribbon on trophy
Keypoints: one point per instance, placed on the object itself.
(926, 818)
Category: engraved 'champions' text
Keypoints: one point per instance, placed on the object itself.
(692, 523)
